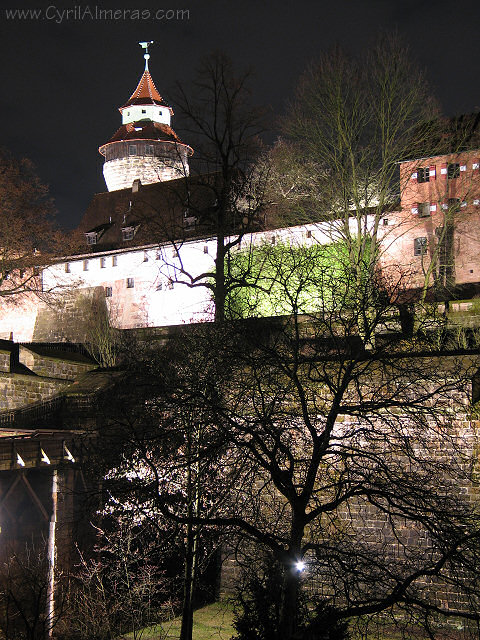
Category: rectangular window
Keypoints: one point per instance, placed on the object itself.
(454, 204)
(144, 111)
(149, 149)
(85, 265)
(128, 233)
(423, 209)
(130, 283)
(91, 238)
(419, 246)
(67, 267)
(423, 174)
(108, 292)
(103, 263)
(309, 234)
(453, 170)
(132, 149)
(114, 261)
(385, 222)
(205, 249)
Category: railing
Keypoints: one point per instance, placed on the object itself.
(59, 412)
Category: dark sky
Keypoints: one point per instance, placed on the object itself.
(64, 76)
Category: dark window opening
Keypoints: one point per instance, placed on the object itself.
(423, 174)
(85, 265)
(114, 261)
(423, 209)
(130, 283)
(420, 246)
(108, 292)
(453, 170)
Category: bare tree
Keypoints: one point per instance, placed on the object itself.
(29, 238)
(333, 443)
(224, 194)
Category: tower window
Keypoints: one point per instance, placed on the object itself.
(108, 292)
(420, 246)
(130, 283)
(453, 170)
(423, 174)
(132, 149)
(423, 209)
(205, 248)
(128, 233)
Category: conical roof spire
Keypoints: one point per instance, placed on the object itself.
(146, 91)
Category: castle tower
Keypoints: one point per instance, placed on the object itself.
(145, 147)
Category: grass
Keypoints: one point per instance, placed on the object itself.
(211, 622)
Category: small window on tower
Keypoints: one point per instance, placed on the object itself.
(420, 246)
(423, 209)
(453, 170)
(130, 283)
(108, 292)
(423, 174)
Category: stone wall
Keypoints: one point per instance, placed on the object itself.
(17, 390)
(54, 366)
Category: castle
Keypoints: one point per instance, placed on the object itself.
(139, 238)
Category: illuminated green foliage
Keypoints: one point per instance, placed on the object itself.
(284, 279)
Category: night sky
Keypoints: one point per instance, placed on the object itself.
(64, 77)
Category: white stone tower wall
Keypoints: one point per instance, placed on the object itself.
(120, 173)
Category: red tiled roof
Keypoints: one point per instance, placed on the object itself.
(145, 93)
(145, 130)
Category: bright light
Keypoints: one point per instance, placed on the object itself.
(300, 566)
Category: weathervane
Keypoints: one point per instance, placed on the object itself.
(146, 55)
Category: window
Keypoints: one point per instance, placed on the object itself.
(91, 238)
(423, 209)
(453, 170)
(454, 204)
(132, 149)
(67, 267)
(423, 174)
(114, 261)
(149, 149)
(385, 222)
(85, 265)
(130, 283)
(108, 292)
(158, 255)
(145, 256)
(103, 263)
(309, 234)
(419, 246)
(205, 249)
(128, 233)
(144, 111)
